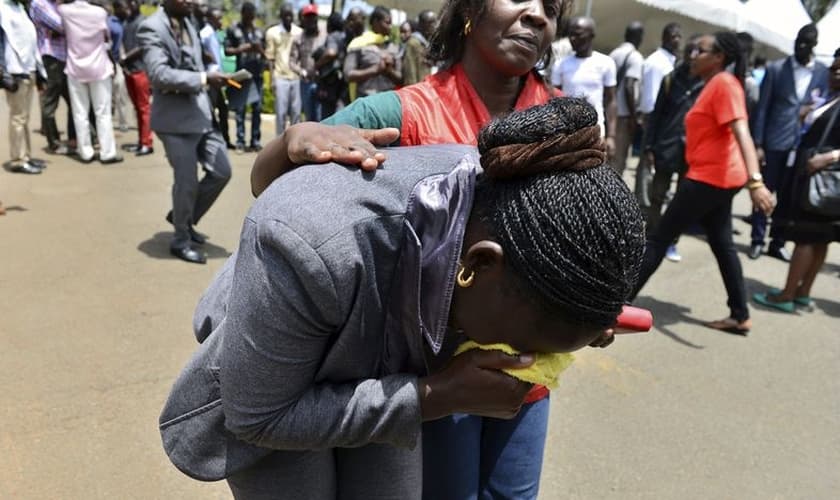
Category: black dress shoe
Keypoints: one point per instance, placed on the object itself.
(195, 236)
(780, 253)
(755, 251)
(26, 168)
(189, 254)
(130, 148)
(144, 150)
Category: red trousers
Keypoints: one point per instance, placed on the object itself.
(137, 84)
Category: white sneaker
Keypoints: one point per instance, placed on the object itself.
(672, 254)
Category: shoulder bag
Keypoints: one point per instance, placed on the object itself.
(823, 193)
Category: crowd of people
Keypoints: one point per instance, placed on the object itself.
(300, 299)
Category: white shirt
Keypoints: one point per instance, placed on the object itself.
(586, 77)
(802, 77)
(21, 47)
(657, 65)
(626, 55)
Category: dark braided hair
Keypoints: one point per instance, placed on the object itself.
(573, 234)
(727, 43)
(446, 46)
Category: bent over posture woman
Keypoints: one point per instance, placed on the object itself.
(343, 310)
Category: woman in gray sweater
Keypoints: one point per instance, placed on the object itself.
(328, 337)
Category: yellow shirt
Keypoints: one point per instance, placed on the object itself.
(278, 50)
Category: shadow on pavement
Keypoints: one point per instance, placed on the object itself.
(157, 247)
(666, 314)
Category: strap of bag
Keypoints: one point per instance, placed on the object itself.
(830, 124)
(623, 69)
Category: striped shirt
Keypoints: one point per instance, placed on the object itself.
(50, 29)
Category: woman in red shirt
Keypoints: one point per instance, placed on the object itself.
(721, 159)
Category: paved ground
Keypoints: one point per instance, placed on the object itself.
(95, 326)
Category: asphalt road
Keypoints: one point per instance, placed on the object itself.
(95, 326)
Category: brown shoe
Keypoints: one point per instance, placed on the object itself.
(731, 325)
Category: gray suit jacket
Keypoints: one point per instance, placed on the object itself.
(180, 104)
(776, 122)
(317, 325)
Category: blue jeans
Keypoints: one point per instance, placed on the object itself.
(470, 458)
(309, 99)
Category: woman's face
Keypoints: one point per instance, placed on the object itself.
(405, 32)
(834, 75)
(493, 310)
(512, 35)
(704, 60)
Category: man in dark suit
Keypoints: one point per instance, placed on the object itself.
(791, 85)
(182, 118)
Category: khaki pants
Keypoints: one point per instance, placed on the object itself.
(625, 128)
(20, 102)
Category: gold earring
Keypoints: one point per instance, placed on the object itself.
(468, 27)
(465, 282)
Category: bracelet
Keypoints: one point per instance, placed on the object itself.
(753, 185)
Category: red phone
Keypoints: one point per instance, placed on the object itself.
(633, 320)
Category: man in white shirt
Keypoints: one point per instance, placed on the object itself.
(656, 66)
(589, 74)
(628, 61)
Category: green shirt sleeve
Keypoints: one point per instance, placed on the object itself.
(379, 110)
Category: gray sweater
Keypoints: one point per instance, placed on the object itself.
(316, 328)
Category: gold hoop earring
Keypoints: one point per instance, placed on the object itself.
(465, 282)
(468, 27)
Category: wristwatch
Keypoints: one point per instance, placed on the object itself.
(756, 177)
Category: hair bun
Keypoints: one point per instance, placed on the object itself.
(562, 134)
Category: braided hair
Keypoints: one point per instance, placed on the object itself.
(570, 229)
(727, 43)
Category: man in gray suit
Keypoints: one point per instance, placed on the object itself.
(790, 85)
(182, 118)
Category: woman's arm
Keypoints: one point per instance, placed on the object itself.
(760, 195)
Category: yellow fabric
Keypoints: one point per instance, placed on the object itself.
(545, 370)
(367, 38)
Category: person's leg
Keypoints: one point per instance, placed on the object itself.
(688, 206)
(119, 98)
(71, 125)
(19, 102)
(239, 114)
(294, 102)
(772, 171)
(256, 121)
(718, 225)
(212, 153)
(100, 92)
(659, 187)
(451, 457)
(222, 106)
(182, 153)
(624, 129)
(281, 105)
(512, 453)
(819, 253)
(137, 84)
(80, 102)
(49, 100)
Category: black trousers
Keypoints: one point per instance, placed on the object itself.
(56, 89)
(220, 112)
(711, 207)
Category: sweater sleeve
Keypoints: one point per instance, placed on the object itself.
(380, 110)
(284, 310)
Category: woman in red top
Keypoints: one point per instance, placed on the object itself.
(488, 51)
(721, 160)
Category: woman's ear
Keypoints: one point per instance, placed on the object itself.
(482, 256)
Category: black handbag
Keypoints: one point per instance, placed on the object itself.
(823, 193)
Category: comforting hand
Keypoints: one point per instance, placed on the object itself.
(762, 200)
(474, 383)
(313, 142)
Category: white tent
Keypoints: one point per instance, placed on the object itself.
(829, 28)
(774, 22)
(771, 22)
